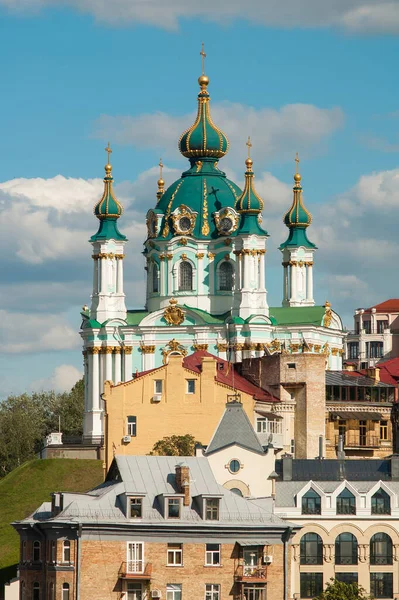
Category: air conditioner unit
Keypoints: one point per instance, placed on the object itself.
(267, 559)
(157, 397)
(126, 439)
(156, 594)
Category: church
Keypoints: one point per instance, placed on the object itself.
(206, 288)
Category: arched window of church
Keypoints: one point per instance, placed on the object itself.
(155, 278)
(226, 277)
(185, 276)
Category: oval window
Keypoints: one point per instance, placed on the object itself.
(234, 466)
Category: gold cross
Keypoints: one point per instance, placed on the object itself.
(248, 143)
(160, 164)
(203, 58)
(108, 151)
(297, 163)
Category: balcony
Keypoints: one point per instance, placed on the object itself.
(275, 439)
(135, 570)
(251, 574)
(357, 440)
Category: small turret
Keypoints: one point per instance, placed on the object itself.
(250, 205)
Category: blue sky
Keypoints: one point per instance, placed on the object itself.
(323, 84)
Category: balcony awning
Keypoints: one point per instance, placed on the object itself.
(268, 414)
(357, 416)
(255, 542)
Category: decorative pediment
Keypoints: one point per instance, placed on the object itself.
(183, 219)
(173, 348)
(226, 220)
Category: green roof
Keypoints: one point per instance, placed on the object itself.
(108, 230)
(208, 318)
(298, 315)
(297, 237)
(134, 317)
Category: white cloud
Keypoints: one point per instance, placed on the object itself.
(62, 379)
(274, 133)
(351, 15)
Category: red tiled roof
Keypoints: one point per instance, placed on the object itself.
(228, 376)
(391, 305)
(389, 369)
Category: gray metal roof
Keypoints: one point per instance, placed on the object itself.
(337, 470)
(234, 428)
(342, 379)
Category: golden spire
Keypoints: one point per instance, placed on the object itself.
(108, 166)
(161, 183)
(297, 176)
(203, 80)
(249, 161)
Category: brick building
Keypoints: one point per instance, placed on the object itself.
(156, 528)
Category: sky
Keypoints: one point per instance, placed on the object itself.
(317, 78)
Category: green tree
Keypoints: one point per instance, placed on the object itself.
(175, 445)
(338, 590)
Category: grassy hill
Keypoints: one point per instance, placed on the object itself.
(26, 487)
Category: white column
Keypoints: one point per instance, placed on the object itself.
(108, 363)
(104, 278)
(163, 274)
(239, 272)
(119, 275)
(128, 363)
(246, 271)
(262, 272)
(148, 270)
(86, 379)
(95, 276)
(170, 275)
(118, 365)
(148, 361)
(200, 273)
(285, 283)
(293, 283)
(95, 380)
(309, 282)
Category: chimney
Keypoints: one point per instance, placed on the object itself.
(321, 447)
(374, 373)
(341, 451)
(287, 467)
(395, 467)
(183, 482)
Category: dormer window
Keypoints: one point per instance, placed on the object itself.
(212, 509)
(311, 503)
(173, 508)
(380, 503)
(346, 503)
(136, 508)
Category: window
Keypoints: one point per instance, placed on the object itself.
(65, 591)
(291, 365)
(212, 509)
(134, 591)
(346, 577)
(136, 507)
(36, 591)
(135, 557)
(190, 386)
(175, 555)
(346, 503)
(36, 551)
(380, 503)
(234, 466)
(158, 385)
(311, 584)
(353, 350)
(381, 550)
(384, 430)
(173, 508)
(23, 590)
(236, 491)
(155, 278)
(173, 591)
(53, 551)
(376, 349)
(254, 592)
(381, 326)
(311, 503)
(212, 591)
(52, 591)
(132, 426)
(226, 277)
(362, 433)
(185, 276)
(346, 549)
(311, 549)
(367, 326)
(66, 551)
(23, 551)
(261, 425)
(381, 585)
(212, 554)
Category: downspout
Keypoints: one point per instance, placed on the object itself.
(105, 460)
(78, 540)
(286, 539)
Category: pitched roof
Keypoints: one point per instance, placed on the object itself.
(354, 378)
(298, 315)
(234, 428)
(337, 470)
(389, 370)
(391, 305)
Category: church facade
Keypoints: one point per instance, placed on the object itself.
(206, 287)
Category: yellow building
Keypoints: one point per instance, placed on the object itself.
(186, 395)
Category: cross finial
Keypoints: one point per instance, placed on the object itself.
(297, 163)
(203, 55)
(109, 152)
(160, 164)
(249, 144)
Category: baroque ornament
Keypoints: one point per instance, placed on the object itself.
(327, 315)
(174, 348)
(173, 314)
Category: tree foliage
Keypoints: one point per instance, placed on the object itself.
(175, 445)
(25, 420)
(338, 590)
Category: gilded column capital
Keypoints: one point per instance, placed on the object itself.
(161, 257)
(200, 346)
(222, 347)
(211, 255)
(109, 349)
(128, 350)
(117, 350)
(200, 255)
(93, 350)
(147, 349)
(169, 256)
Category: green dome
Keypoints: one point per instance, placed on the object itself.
(108, 210)
(203, 138)
(297, 219)
(249, 201)
(202, 189)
